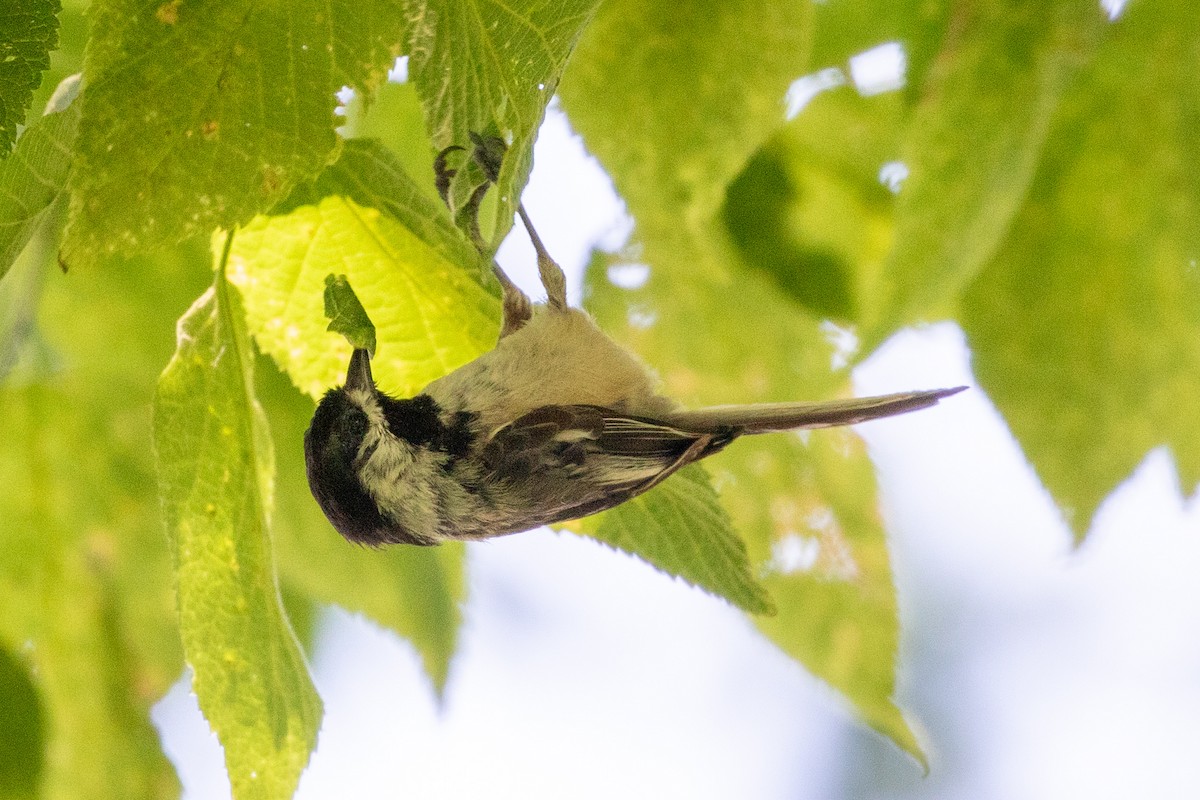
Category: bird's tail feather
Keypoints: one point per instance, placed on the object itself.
(767, 417)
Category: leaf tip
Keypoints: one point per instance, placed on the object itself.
(346, 314)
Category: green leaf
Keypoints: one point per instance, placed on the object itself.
(216, 469)
(430, 314)
(829, 569)
(32, 178)
(346, 314)
(28, 32)
(844, 30)
(668, 67)
(199, 115)
(488, 67)
(414, 591)
(971, 146)
(1085, 328)
(716, 332)
(682, 529)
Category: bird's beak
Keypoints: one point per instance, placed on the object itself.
(359, 374)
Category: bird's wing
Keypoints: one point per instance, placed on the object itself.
(583, 459)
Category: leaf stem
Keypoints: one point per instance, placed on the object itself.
(225, 255)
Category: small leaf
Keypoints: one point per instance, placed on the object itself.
(483, 67)
(28, 34)
(346, 314)
(1085, 328)
(199, 115)
(216, 470)
(681, 528)
(32, 178)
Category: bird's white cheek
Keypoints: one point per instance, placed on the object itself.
(399, 480)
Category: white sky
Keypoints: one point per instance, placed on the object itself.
(1036, 671)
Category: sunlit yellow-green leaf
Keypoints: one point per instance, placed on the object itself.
(216, 470)
(430, 315)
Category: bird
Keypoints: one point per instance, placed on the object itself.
(556, 422)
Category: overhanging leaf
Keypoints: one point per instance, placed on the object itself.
(682, 529)
(1085, 328)
(199, 115)
(216, 471)
(482, 66)
(28, 33)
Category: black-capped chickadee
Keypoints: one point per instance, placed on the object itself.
(556, 422)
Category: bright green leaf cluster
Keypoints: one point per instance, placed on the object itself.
(431, 316)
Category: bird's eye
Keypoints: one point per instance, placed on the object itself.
(355, 423)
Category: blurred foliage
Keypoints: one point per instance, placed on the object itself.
(1032, 178)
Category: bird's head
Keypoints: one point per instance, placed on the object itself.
(333, 448)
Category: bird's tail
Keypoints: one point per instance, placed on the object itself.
(767, 417)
